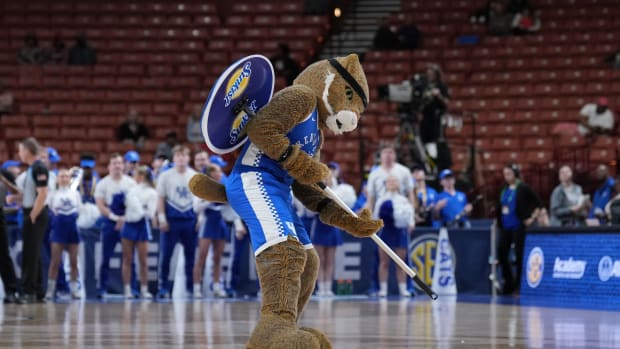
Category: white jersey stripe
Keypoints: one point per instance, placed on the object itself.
(261, 204)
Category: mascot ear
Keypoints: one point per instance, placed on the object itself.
(352, 65)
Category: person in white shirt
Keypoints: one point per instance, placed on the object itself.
(176, 217)
(141, 204)
(66, 204)
(110, 196)
(388, 167)
(596, 118)
(398, 215)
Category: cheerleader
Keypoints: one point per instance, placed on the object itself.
(65, 204)
(397, 214)
(326, 238)
(214, 231)
(141, 204)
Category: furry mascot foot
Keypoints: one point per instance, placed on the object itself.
(279, 270)
(323, 340)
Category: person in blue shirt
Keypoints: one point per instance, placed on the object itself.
(517, 207)
(603, 193)
(426, 197)
(132, 158)
(452, 207)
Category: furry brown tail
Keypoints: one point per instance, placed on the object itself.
(206, 188)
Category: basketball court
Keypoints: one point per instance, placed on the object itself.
(353, 322)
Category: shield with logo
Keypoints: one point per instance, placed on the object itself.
(243, 88)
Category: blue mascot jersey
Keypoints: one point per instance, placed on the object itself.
(306, 134)
(259, 190)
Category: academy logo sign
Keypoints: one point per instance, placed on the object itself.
(568, 268)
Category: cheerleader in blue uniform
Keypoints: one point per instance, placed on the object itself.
(214, 231)
(326, 238)
(141, 205)
(398, 216)
(65, 203)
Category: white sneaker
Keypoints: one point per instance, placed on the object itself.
(49, 295)
(197, 294)
(76, 294)
(218, 291)
(146, 295)
(382, 294)
(405, 293)
(328, 293)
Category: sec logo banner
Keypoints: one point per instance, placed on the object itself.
(422, 253)
(535, 267)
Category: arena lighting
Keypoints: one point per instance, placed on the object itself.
(337, 12)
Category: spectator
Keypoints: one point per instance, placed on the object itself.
(82, 53)
(500, 19)
(452, 207)
(385, 38)
(426, 197)
(409, 35)
(165, 147)
(30, 53)
(613, 206)
(525, 22)
(57, 53)
(596, 119)
(614, 60)
(388, 166)
(397, 214)
(132, 131)
(194, 126)
(6, 99)
(284, 65)
(431, 130)
(517, 207)
(569, 206)
(201, 160)
(602, 195)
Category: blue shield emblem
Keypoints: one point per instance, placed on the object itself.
(247, 84)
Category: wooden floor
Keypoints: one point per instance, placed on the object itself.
(350, 323)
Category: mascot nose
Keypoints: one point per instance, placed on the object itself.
(347, 121)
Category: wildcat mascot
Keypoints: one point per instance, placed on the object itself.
(283, 154)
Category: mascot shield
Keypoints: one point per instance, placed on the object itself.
(247, 85)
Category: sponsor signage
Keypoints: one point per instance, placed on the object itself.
(573, 266)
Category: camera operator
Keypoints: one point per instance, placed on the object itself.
(436, 98)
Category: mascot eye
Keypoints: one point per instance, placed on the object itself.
(348, 92)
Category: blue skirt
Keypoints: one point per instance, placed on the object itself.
(64, 229)
(137, 231)
(323, 234)
(394, 237)
(215, 228)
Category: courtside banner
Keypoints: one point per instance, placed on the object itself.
(578, 266)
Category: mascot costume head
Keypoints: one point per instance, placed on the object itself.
(282, 155)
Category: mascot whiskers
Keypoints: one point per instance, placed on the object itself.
(282, 155)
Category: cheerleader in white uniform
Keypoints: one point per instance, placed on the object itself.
(397, 214)
(65, 204)
(141, 204)
(214, 231)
